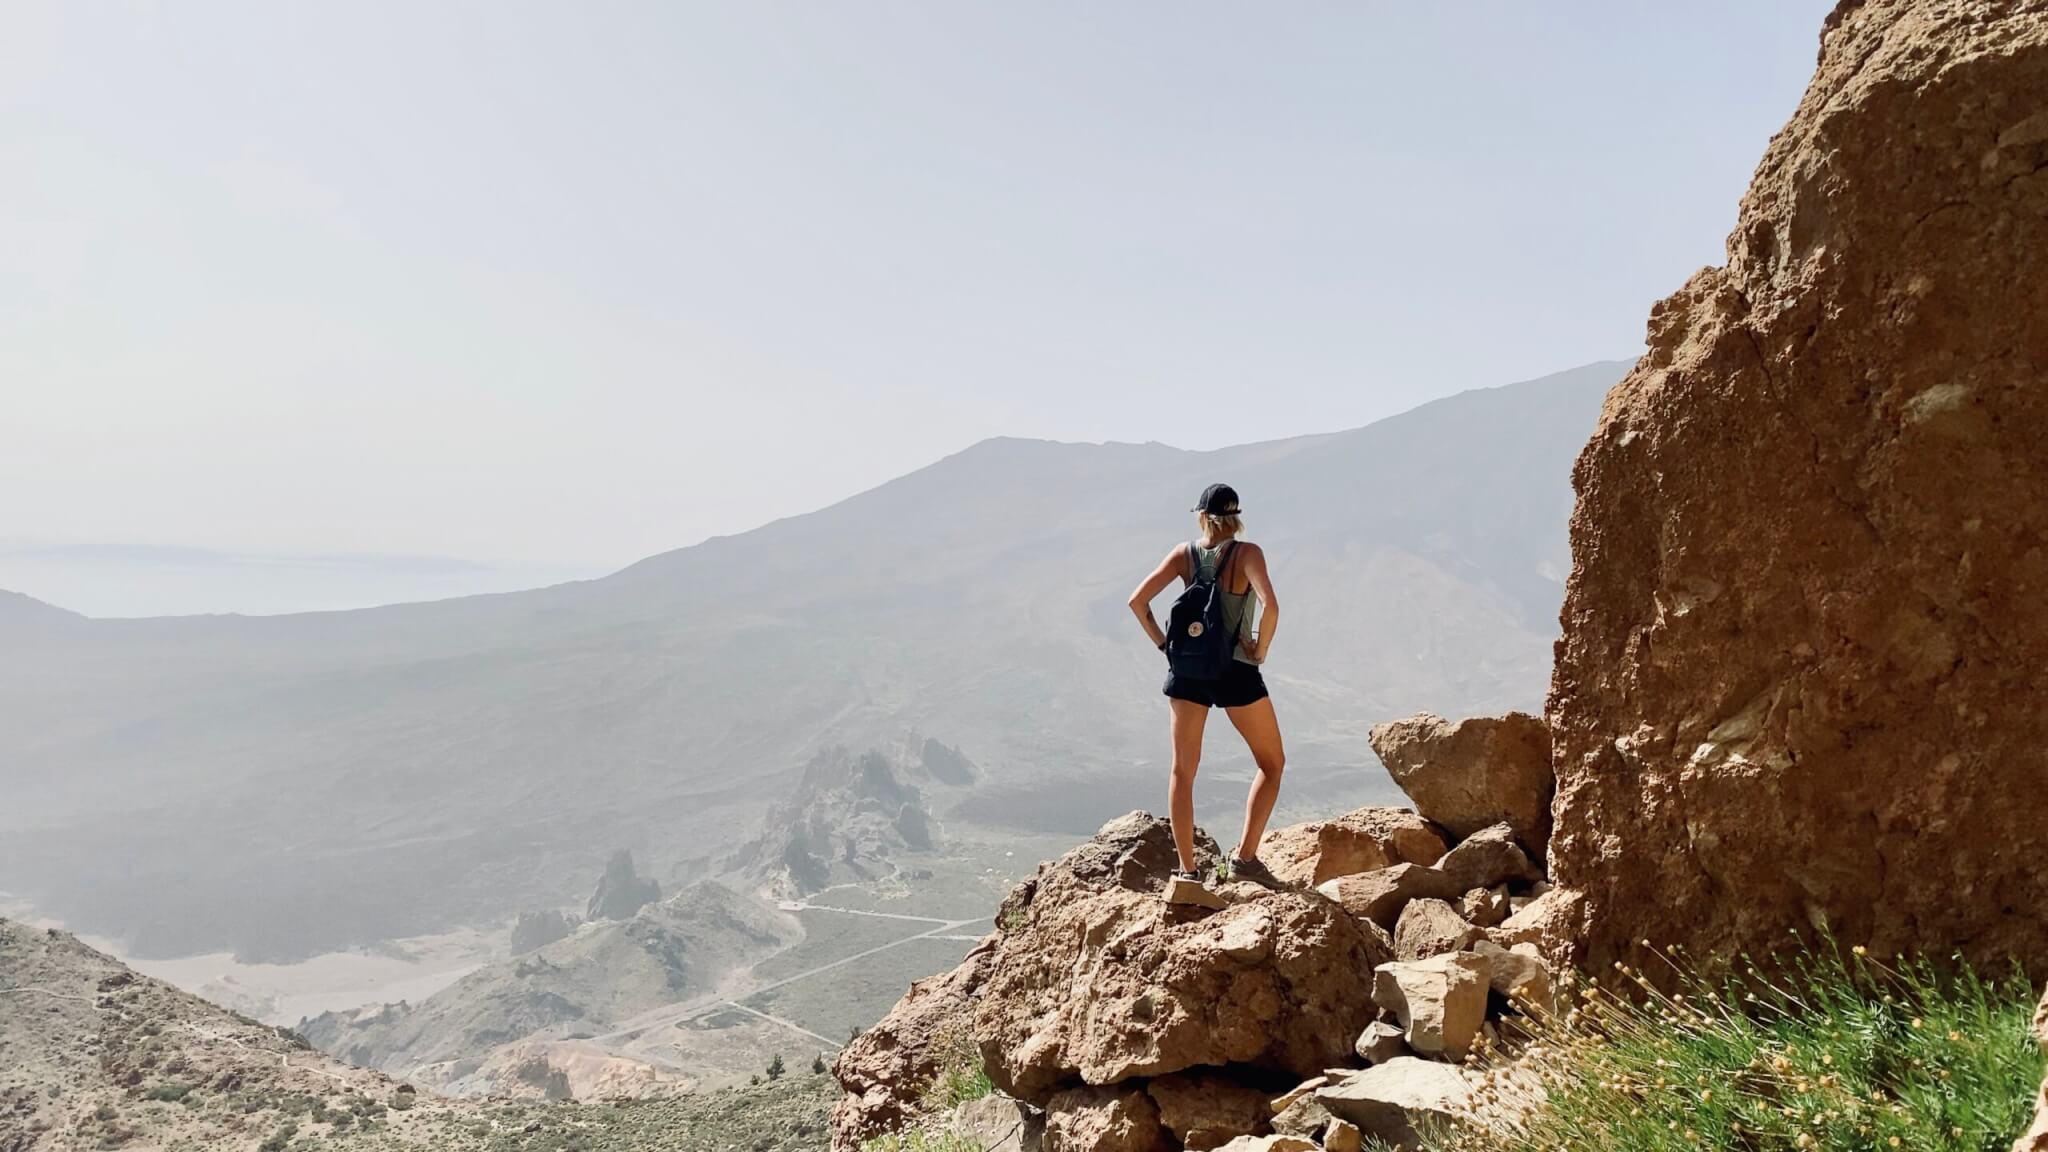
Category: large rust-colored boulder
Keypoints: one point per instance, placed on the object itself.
(885, 1069)
(1122, 1119)
(1805, 637)
(1360, 841)
(1098, 983)
(1473, 773)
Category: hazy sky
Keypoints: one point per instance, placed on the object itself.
(548, 287)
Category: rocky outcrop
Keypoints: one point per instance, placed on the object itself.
(537, 929)
(1100, 981)
(1804, 635)
(1360, 841)
(851, 819)
(1128, 1021)
(620, 891)
(1474, 773)
(886, 1069)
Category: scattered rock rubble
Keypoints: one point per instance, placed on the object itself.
(1337, 1010)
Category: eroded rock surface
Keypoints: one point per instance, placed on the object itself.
(1805, 634)
(1207, 1110)
(1100, 983)
(1104, 1120)
(886, 1069)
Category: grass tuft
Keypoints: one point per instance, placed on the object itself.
(1827, 1050)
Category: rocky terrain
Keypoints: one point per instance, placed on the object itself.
(95, 1056)
(583, 985)
(1335, 1008)
(1801, 641)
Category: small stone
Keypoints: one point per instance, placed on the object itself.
(1440, 1002)
(1282, 1102)
(1518, 975)
(1485, 907)
(1304, 1117)
(1343, 1136)
(1276, 1143)
(1391, 1101)
(1380, 1042)
(1488, 858)
(1431, 928)
(1378, 896)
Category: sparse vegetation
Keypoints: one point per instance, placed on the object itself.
(1829, 1050)
(960, 1076)
(776, 1067)
(818, 1064)
(921, 1140)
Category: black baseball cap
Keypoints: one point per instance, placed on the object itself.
(1218, 500)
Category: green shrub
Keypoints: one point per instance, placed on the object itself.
(169, 1090)
(960, 1076)
(1826, 1050)
(776, 1067)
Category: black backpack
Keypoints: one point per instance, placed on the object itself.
(1199, 646)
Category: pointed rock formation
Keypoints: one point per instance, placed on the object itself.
(620, 891)
(1805, 636)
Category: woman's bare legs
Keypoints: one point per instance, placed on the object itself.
(1261, 732)
(1188, 722)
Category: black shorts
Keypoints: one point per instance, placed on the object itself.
(1240, 684)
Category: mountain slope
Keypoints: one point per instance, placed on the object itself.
(287, 784)
(604, 973)
(94, 1055)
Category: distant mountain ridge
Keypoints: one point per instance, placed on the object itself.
(285, 785)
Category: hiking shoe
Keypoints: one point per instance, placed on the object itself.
(1254, 871)
(1187, 889)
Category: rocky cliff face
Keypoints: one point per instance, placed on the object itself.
(1806, 635)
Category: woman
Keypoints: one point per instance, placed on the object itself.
(1240, 570)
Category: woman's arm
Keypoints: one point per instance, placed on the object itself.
(1269, 602)
(1169, 569)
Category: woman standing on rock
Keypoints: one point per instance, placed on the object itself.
(1214, 651)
